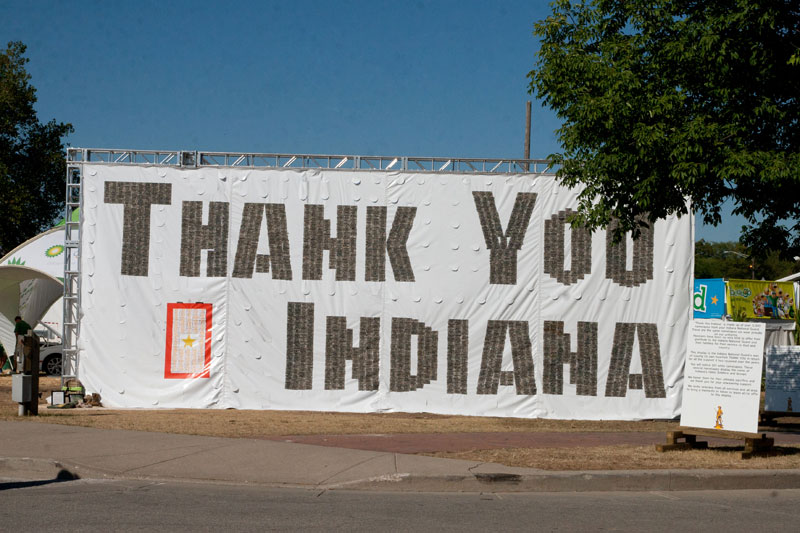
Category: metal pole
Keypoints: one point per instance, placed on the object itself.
(527, 132)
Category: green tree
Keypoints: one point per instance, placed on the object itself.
(32, 166)
(731, 260)
(664, 101)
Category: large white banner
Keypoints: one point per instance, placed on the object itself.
(374, 291)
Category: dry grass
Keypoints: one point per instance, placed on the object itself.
(255, 424)
(629, 458)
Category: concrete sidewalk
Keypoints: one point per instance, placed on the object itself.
(37, 451)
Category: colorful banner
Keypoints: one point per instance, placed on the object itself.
(369, 291)
(708, 298)
(761, 299)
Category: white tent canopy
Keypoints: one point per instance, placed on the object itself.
(26, 292)
(30, 281)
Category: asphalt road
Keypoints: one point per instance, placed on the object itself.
(90, 505)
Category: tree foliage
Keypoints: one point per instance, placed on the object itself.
(31, 156)
(664, 101)
(733, 261)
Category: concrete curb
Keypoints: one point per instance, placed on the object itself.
(26, 468)
(598, 481)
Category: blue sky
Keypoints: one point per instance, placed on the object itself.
(416, 78)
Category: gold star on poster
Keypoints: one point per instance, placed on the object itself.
(189, 341)
(714, 300)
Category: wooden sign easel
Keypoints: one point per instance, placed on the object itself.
(768, 417)
(685, 438)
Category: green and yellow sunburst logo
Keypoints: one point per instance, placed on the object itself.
(54, 251)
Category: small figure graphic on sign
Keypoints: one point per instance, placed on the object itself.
(718, 425)
(789, 404)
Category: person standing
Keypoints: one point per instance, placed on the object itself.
(21, 329)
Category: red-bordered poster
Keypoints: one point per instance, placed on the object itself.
(188, 341)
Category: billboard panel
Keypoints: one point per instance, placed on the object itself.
(708, 298)
(375, 291)
(762, 299)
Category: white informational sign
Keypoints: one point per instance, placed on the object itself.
(782, 384)
(366, 291)
(722, 385)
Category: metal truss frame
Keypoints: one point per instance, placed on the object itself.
(77, 157)
(179, 158)
(70, 323)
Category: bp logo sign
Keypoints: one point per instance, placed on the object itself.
(54, 251)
